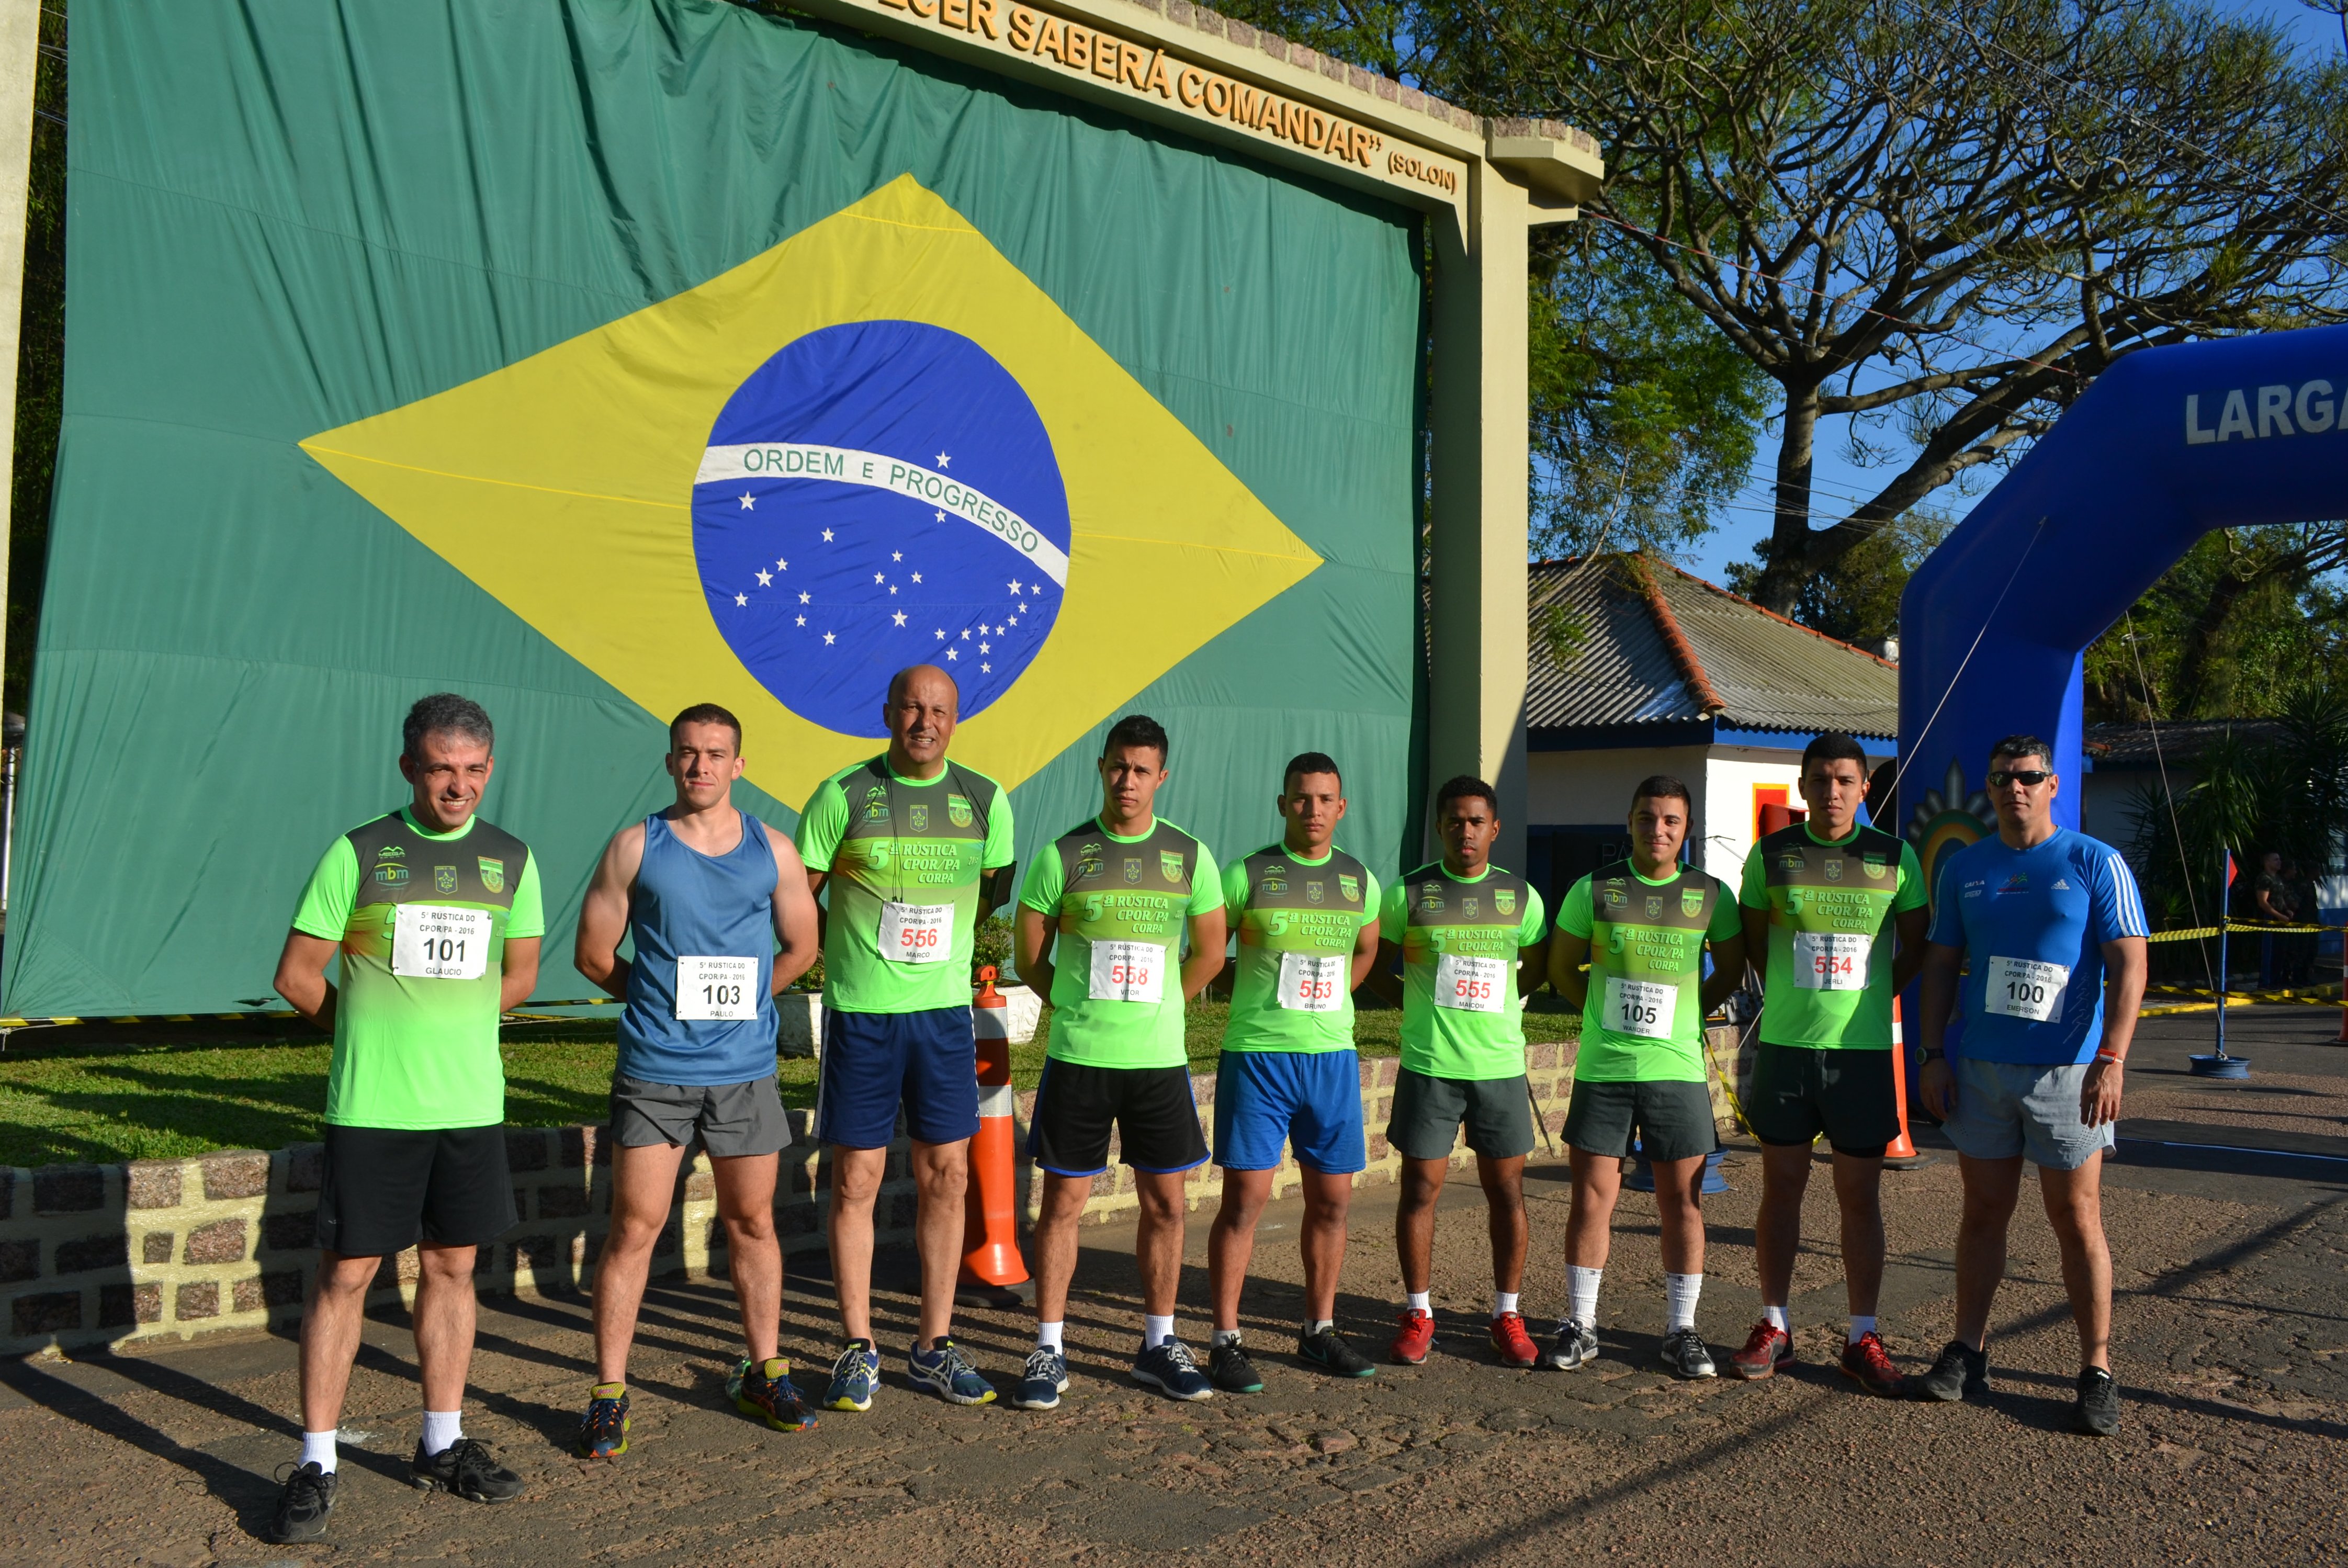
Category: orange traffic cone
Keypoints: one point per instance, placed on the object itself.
(992, 1267)
(1900, 1153)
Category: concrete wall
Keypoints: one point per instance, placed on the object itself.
(1579, 787)
(1730, 776)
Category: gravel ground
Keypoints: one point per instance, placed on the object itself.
(2231, 1346)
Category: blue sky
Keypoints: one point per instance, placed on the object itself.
(1746, 520)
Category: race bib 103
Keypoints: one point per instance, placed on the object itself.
(1312, 983)
(716, 988)
(1129, 972)
(1831, 959)
(917, 933)
(440, 942)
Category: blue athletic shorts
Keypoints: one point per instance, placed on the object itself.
(1311, 1100)
(873, 1062)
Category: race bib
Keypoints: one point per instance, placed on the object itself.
(1312, 982)
(1471, 984)
(716, 988)
(917, 933)
(1129, 972)
(440, 942)
(1640, 1008)
(1831, 959)
(2025, 988)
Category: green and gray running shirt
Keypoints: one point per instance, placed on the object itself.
(423, 919)
(1296, 920)
(1644, 1021)
(1827, 981)
(1460, 939)
(904, 857)
(1121, 905)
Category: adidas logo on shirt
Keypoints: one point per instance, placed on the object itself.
(2062, 886)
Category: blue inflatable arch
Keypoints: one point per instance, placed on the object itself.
(2166, 445)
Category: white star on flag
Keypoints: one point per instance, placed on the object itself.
(876, 576)
(917, 577)
(951, 655)
(942, 635)
(896, 555)
(827, 638)
(1014, 620)
(746, 503)
(827, 536)
(782, 565)
(943, 461)
(802, 619)
(892, 587)
(803, 598)
(765, 579)
(741, 598)
(966, 634)
(985, 649)
(1023, 609)
(900, 617)
(1013, 587)
(941, 517)
(986, 669)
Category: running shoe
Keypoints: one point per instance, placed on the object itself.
(603, 1429)
(1960, 1367)
(1683, 1354)
(1866, 1359)
(465, 1470)
(1168, 1367)
(302, 1506)
(1509, 1338)
(1328, 1351)
(767, 1393)
(1769, 1350)
(945, 1372)
(2098, 1410)
(1414, 1338)
(1043, 1381)
(855, 1377)
(1576, 1346)
(1228, 1369)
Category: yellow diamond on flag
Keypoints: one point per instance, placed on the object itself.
(876, 444)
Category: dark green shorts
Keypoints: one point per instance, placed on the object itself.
(1673, 1120)
(1802, 1091)
(1428, 1111)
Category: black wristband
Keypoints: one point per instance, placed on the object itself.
(1932, 1054)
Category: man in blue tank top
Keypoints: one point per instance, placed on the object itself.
(717, 905)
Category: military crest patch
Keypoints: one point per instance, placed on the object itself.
(1875, 868)
(1504, 899)
(444, 878)
(1469, 907)
(1132, 870)
(1691, 901)
(1834, 869)
(1169, 864)
(1313, 893)
(919, 814)
(1654, 905)
(958, 810)
(493, 872)
(1349, 888)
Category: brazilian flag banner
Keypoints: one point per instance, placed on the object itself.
(597, 357)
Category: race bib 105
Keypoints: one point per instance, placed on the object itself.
(716, 988)
(1312, 983)
(1640, 1008)
(440, 942)
(1129, 972)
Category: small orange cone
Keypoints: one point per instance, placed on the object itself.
(1900, 1153)
(991, 1260)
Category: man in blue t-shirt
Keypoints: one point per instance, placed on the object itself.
(2038, 945)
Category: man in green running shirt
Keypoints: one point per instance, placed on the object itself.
(1824, 902)
(1643, 924)
(1306, 915)
(1468, 938)
(1102, 919)
(437, 917)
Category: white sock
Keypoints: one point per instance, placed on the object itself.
(1417, 1301)
(1503, 1301)
(1861, 1325)
(1582, 1295)
(1775, 1317)
(1318, 1325)
(1047, 1334)
(442, 1428)
(318, 1449)
(1156, 1331)
(1224, 1337)
(1680, 1292)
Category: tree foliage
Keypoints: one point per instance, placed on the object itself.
(40, 362)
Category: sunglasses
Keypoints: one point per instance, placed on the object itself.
(2028, 778)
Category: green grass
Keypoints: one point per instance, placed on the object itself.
(100, 1093)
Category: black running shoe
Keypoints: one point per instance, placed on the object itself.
(1328, 1351)
(464, 1468)
(302, 1506)
(2098, 1410)
(1683, 1355)
(1960, 1367)
(1229, 1368)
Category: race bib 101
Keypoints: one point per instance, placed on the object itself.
(716, 988)
(440, 942)
(1642, 1008)
(1312, 983)
(1129, 972)
(1471, 984)
(1831, 959)
(2025, 988)
(917, 933)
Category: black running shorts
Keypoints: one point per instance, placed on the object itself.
(1155, 1117)
(1801, 1091)
(386, 1189)
(1670, 1120)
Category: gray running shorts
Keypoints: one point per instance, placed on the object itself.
(733, 1119)
(1672, 1120)
(2005, 1109)
(1428, 1111)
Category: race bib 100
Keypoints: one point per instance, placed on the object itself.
(1640, 1008)
(917, 933)
(1129, 972)
(716, 988)
(1471, 984)
(2025, 988)
(1831, 959)
(440, 942)
(1312, 983)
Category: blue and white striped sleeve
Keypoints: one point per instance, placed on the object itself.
(2120, 907)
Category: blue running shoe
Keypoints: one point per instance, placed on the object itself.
(603, 1429)
(1043, 1381)
(945, 1372)
(767, 1392)
(855, 1377)
(1168, 1367)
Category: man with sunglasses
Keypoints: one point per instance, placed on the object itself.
(2048, 930)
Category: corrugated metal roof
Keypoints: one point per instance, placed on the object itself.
(2130, 745)
(1599, 654)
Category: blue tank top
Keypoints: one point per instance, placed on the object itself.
(714, 907)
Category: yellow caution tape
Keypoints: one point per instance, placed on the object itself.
(2239, 928)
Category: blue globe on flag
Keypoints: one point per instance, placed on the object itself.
(876, 495)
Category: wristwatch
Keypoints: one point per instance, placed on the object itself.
(1932, 1054)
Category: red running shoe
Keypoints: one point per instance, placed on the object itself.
(1414, 1338)
(1509, 1338)
(1869, 1362)
(1767, 1352)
